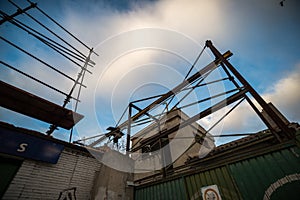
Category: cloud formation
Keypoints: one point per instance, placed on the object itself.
(155, 43)
(285, 95)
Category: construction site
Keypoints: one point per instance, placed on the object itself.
(158, 149)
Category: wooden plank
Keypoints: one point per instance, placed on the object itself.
(31, 105)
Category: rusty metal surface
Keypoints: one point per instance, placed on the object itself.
(284, 128)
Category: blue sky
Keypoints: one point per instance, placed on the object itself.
(146, 48)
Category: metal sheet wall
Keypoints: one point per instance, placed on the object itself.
(170, 190)
(255, 176)
(8, 169)
(277, 172)
(189, 187)
(219, 176)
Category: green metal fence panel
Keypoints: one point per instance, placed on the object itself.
(218, 176)
(189, 187)
(272, 176)
(8, 169)
(170, 190)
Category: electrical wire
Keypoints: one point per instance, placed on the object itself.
(190, 70)
(49, 44)
(31, 55)
(54, 21)
(15, 21)
(189, 92)
(195, 62)
(35, 79)
(45, 27)
(59, 45)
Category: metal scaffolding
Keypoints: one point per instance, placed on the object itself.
(32, 26)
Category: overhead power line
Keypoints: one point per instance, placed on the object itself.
(35, 79)
(54, 41)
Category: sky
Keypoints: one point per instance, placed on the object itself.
(146, 48)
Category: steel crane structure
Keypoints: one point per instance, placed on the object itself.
(271, 117)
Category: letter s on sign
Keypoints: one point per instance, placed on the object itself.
(22, 147)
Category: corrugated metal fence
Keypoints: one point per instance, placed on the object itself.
(219, 176)
(271, 176)
(173, 189)
(255, 176)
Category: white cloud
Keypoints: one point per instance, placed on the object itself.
(169, 33)
(119, 38)
(286, 96)
(283, 94)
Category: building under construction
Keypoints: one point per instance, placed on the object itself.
(167, 155)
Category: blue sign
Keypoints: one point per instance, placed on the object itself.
(16, 143)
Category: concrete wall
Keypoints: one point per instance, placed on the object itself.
(112, 184)
(111, 181)
(38, 180)
(182, 145)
